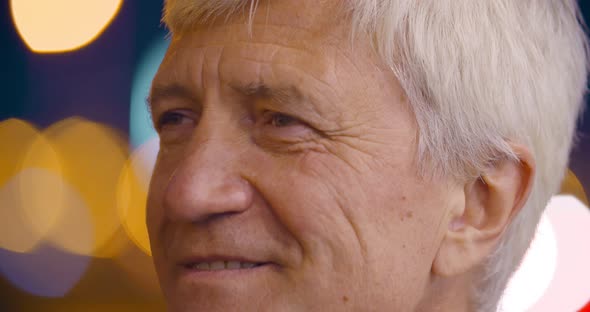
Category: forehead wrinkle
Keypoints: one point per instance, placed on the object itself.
(261, 81)
(178, 69)
(319, 81)
(289, 96)
(286, 95)
(264, 52)
(315, 75)
(307, 40)
(311, 15)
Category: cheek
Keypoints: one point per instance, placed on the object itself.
(392, 214)
(303, 194)
(321, 184)
(408, 235)
(388, 220)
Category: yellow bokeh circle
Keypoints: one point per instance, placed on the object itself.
(62, 25)
(92, 156)
(32, 193)
(132, 193)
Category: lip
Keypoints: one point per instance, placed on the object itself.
(185, 269)
(187, 261)
(194, 276)
(185, 265)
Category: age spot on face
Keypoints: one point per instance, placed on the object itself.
(406, 215)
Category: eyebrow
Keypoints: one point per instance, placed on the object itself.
(288, 96)
(162, 92)
(283, 95)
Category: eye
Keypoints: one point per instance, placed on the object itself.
(174, 119)
(275, 127)
(279, 120)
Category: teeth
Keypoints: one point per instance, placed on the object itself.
(247, 265)
(222, 265)
(216, 265)
(202, 266)
(232, 265)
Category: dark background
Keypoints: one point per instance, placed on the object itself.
(95, 83)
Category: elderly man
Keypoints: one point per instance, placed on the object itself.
(358, 155)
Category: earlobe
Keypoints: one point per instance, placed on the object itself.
(491, 203)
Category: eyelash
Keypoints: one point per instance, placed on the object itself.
(170, 117)
(277, 119)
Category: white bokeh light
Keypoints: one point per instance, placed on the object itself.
(554, 274)
(535, 273)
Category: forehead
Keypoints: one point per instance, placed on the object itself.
(314, 15)
(225, 56)
(287, 45)
(283, 38)
(306, 25)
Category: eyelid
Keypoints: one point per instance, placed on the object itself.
(268, 116)
(186, 113)
(298, 132)
(304, 114)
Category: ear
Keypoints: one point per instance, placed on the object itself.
(492, 201)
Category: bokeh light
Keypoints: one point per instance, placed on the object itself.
(569, 290)
(571, 185)
(548, 263)
(16, 136)
(554, 274)
(31, 190)
(46, 271)
(533, 277)
(140, 125)
(15, 234)
(93, 156)
(61, 25)
(32, 202)
(75, 231)
(132, 194)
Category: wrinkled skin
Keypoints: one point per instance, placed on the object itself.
(290, 147)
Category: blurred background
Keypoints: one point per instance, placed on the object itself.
(76, 154)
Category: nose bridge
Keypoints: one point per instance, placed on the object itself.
(207, 181)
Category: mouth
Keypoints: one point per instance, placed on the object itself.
(222, 265)
(204, 272)
(221, 274)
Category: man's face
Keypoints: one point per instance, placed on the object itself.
(287, 176)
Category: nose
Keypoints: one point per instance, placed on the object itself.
(207, 183)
